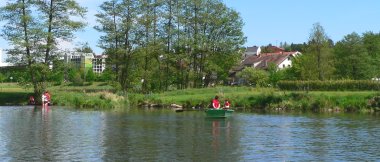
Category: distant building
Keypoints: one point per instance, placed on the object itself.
(262, 61)
(273, 49)
(259, 60)
(86, 61)
(251, 51)
(99, 63)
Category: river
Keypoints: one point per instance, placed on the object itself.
(63, 134)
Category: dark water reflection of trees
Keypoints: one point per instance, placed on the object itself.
(62, 134)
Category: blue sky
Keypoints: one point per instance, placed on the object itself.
(274, 21)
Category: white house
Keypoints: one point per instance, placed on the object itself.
(262, 61)
(251, 51)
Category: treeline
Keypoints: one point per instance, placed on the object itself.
(355, 57)
(34, 29)
(152, 45)
(156, 45)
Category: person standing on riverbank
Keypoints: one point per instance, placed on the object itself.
(44, 100)
(215, 103)
(48, 97)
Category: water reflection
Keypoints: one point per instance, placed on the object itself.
(221, 129)
(57, 134)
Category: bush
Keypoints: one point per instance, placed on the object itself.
(331, 85)
(254, 77)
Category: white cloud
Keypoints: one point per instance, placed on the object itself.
(65, 45)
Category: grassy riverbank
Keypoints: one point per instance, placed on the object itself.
(101, 96)
(94, 96)
(273, 99)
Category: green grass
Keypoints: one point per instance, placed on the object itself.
(101, 96)
(95, 87)
(86, 96)
(269, 99)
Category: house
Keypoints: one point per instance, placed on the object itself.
(259, 60)
(262, 61)
(273, 49)
(251, 51)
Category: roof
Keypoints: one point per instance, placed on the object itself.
(252, 49)
(275, 49)
(263, 60)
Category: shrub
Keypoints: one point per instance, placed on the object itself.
(331, 85)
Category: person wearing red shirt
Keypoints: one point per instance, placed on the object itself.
(215, 103)
(48, 97)
(227, 104)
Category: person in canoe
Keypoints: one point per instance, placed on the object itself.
(215, 103)
(227, 104)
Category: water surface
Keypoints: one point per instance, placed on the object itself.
(62, 134)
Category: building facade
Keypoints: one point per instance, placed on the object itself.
(99, 63)
(86, 61)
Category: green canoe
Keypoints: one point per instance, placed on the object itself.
(219, 113)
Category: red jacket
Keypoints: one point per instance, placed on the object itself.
(215, 104)
(47, 96)
(227, 104)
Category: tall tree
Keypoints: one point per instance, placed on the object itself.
(170, 42)
(351, 58)
(319, 48)
(56, 17)
(110, 19)
(372, 45)
(23, 32)
(34, 28)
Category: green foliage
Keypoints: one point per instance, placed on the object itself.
(85, 48)
(90, 76)
(77, 79)
(331, 85)
(318, 56)
(154, 42)
(275, 74)
(83, 100)
(33, 28)
(2, 77)
(374, 103)
(351, 58)
(254, 77)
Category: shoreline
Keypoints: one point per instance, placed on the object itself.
(247, 98)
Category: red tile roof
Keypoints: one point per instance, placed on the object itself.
(263, 60)
(275, 49)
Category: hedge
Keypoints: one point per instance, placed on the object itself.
(330, 85)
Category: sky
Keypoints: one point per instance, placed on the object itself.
(270, 21)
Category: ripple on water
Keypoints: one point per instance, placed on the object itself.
(67, 135)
